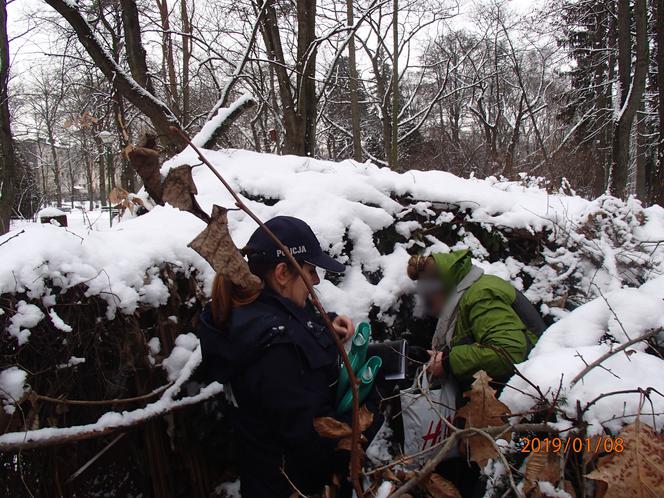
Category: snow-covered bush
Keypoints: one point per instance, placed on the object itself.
(123, 299)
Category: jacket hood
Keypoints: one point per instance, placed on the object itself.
(229, 350)
(452, 267)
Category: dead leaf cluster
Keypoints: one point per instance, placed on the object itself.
(482, 410)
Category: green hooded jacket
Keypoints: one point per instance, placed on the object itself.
(489, 334)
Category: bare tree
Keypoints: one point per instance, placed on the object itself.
(143, 98)
(9, 164)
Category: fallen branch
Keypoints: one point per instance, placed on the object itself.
(51, 436)
(111, 422)
(449, 444)
(355, 460)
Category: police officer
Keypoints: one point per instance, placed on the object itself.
(273, 351)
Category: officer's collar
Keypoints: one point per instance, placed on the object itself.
(291, 307)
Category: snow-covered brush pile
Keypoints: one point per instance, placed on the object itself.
(91, 319)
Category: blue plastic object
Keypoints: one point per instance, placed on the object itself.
(366, 377)
(357, 356)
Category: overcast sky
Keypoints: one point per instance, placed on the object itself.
(29, 45)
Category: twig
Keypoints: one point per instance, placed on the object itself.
(12, 237)
(95, 458)
(142, 397)
(355, 462)
(610, 353)
(646, 392)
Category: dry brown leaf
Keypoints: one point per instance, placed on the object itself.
(216, 246)
(347, 443)
(541, 466)
(366, 418)
(439, 487)
(636, 471)
(146, 163)
(482, 410)
(331, 428)
(117, 195)
(179, 190)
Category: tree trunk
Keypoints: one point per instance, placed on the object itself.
(72, 178)
(8, 166)
(127, 174)
(56, 163)
(186, 57)
(624, 19)
(136, 56)
(294, 140)
(300, 110)
(508, 170)
(625, 117)
(103, 193)
(394, 152)
(306, 71)
(352, 75)
(89, 176)
(605, 101)
(657, 178)
(642, 153)
(168, 61)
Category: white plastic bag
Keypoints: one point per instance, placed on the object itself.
(424, 413)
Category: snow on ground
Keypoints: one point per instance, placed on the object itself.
(582, 337)
(349, 202)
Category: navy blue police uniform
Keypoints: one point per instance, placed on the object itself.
(282, 366)
(280, 362)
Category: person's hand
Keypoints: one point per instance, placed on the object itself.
(436, 364)
(344, 327)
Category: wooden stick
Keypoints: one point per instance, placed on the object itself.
(355, 438)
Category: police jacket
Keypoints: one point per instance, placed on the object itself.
(282, 366)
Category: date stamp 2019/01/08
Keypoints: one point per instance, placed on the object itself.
(574, 444)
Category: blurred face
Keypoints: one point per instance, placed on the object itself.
(433, 297)
(289, 284)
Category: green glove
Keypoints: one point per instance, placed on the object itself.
(366, 377)
(357, 356)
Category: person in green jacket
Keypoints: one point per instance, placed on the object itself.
(484, 322)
